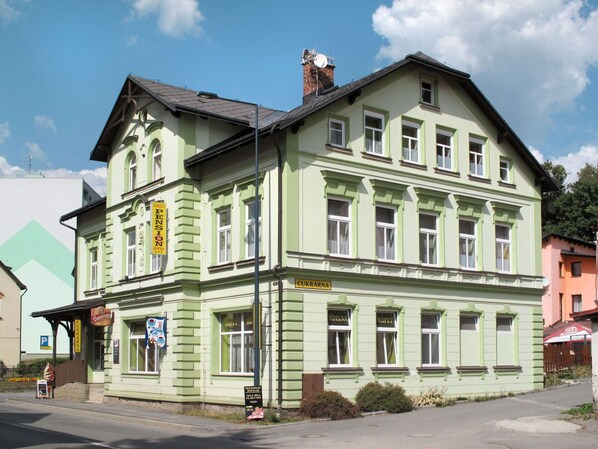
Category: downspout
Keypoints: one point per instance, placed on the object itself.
(276, 269)
(21, 326)
(76, 254)
(70, 334)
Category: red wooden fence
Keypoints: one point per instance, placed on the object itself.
(70, 371)
(560, 357)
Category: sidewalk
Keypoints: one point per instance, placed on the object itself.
(139, 414)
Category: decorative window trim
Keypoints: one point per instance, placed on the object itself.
(381, 114)
(507, 313)
(452, 134)
(483, 142)
(419, 139)
(152, 127)
(471, 310)
(391, 306)
(433, 309)
(155, 143)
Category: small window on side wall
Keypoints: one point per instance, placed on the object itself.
(575, 269)
(336, 133)
(428, 92)
(505, 170)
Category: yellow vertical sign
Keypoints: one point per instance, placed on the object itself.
(158, 228)
(77, 336)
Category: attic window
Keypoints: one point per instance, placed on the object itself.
(428, 92)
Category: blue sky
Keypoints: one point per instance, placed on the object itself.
(64, 62)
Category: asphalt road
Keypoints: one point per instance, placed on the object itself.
(531, 421)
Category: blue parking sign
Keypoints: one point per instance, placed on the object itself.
(44, 342)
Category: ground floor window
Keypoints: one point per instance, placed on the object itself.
(505, 340)
(339, 338)
(430, 323)
(99, 345)
(469, 336)
(236, 342)
(142, 358)
(386, 338)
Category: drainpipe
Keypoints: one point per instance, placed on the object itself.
(70, 335)
(21, 326)
(277, 268)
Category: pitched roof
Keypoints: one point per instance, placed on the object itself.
(176, 100)
(573, 240)
(8, 271)
(94, 204)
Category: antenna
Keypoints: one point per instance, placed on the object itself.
(29, 155)
(320, 60)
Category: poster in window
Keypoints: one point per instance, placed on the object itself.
(155, 331)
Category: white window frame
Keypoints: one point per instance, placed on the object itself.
(157, 161)
(374, 135)
(429, 235)
(427, 334)
(335, 226)
(410, 144)
(155, 263)
(334, 339)
(133, 172)
(428, 89)
(340, 133)
(245, 348)
(150, 351)
(131, 257)
(500, 327)
(503, 264)
(476, 157)
(93, 269)
(223, 235)
(468, 242)
(505, 170)
(386, 235)
(576, 303)
(444, 153)
(383, 334)
(249, 228)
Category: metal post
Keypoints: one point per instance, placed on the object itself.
(256, 258)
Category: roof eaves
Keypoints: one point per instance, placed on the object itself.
(16, 280)
(83, 209)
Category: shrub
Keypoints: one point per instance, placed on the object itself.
(35, 368)
(374, 397)
(328, 404)
(432, 396)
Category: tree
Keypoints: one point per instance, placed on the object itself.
(550, 200)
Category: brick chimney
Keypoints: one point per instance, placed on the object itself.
(315, 80)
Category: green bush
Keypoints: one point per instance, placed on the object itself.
(374, 397)
(432, 396)
(328, 404)
(35, 368)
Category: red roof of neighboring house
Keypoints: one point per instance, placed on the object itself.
(586, 315)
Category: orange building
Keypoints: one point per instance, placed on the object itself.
(569, 269)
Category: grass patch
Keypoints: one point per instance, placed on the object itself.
(585, 411)
(489, 397)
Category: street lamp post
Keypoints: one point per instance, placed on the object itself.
(256, 257)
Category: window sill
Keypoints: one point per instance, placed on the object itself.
(95, 292)
(148, 374)
(343, 370)
(232, 375)
(390, 370)
(140, 278)
(472, 369)
(249, 262)
(376, 157)
(479, 179)
(507, 369)
(221, 267)
(410, 164)
(510, 185)
(447, 172)
(433, 370)
(343, 150)
(430, 107)
(137, 190)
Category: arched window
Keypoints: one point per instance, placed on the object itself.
(132, 172)
(157, 161)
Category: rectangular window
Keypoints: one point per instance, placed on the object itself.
(132, 173)
(575, 269)
(428, 239)
(142, 358)
(224, 236)
(339, 338)
(386, 339)
(131, 253)
(505, 170)
(98, 349)
(505, 341)
(427, 93)
(93, 269)
(503, 248)
(410, 142)
(374, 132)
(430, 323)
(576, 300)
(561, 306)
(157, 162)
(561, 269)
(469, 340)
(339, 227)
(156, 263)
(444, 151)
(476, 157)
(467, 244)
(236, 342)
(336, 133)
(250, 228)
(385, 233)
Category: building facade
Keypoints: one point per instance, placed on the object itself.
(40, 251)
(11, 293)
(399, 241)
(569, 267)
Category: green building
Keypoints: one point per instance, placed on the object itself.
(399, 241)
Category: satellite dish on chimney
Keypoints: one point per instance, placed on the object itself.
(320, 61)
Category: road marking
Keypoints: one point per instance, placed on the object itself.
(104, 445)
(529, 401)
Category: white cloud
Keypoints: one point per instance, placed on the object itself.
(95, 178)
(176, 18)
(531, 57)
(7, 12)
(44, 122)
(537, 154)
(573, 162)
(4, 132)
(36, 152)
